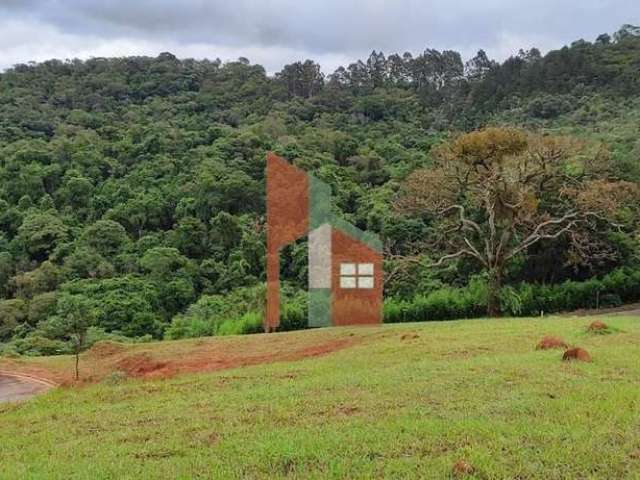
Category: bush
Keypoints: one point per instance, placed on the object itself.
(129, 305)
(12, 313)
(551, 106)
(444, 304)
(36, 345)
(250, 322)
(294, 312)
(240, 311)
(235, 314)
(610, 300)
(188, 326)
(616, 288)
(203, 318)
(9, 350)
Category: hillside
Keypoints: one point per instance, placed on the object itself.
(403, 401)
(135, 186)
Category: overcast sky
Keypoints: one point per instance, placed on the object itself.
(276, 32)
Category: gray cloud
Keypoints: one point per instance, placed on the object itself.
(274, 32)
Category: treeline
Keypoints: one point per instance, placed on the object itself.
(482, 85)
(135, 186)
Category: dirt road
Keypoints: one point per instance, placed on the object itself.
(15, 388)
(632, 309)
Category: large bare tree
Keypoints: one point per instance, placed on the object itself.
(494, 193)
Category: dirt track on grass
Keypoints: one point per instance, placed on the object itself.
(205, 359)
(15, 388)
(175, 358)
(631, 310)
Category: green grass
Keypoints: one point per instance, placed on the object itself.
(386, 408)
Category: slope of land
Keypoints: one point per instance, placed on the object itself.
(395, 401)
(167, 359)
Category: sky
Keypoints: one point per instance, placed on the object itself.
(276, 32)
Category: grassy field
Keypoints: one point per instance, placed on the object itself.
(396, 401)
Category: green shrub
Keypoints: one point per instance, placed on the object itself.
(189, 326)
(610, 300)
(551, 106)
(236, 313)
(250, 322)
(36, 345)
(240, 311)
(204, 318)
(614, 289)
(9, 350)
(444, 304)
(294, 312)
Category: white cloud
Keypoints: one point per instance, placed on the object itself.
(22, 42)
(276, 32)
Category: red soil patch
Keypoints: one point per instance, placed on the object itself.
(139, 365)
(576, 354)
(206, 360)
(163, 360)
(549, 342)
(597, 325)
(462, 468)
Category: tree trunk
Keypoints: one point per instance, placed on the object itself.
(78, 364)
(494, 308)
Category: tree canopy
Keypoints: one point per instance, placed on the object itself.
(497, 192)
(137, 183)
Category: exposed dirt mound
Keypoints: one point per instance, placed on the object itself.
(597, 326)
(462, 468)
(112, 360)
(139, 365)
(106, 349)
(549, 342)
(205, 359)
(576, 354)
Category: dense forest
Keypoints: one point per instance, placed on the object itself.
(132, 189)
